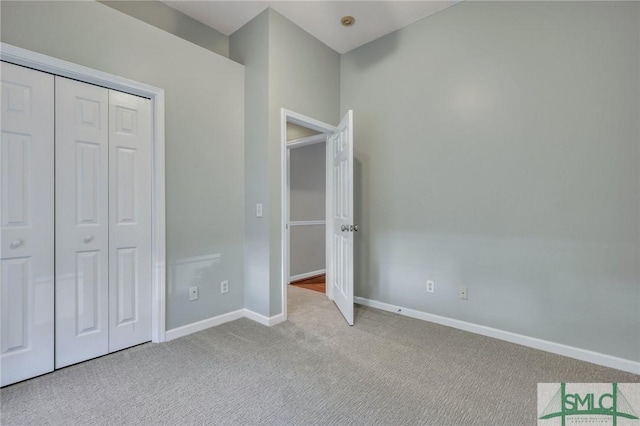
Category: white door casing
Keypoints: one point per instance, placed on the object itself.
(129, 220)
(82, 222)
(340, 269)
(26, 216)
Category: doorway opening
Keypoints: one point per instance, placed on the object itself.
(307, 208)
(303, 140)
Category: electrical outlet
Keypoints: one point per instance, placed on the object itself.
(463, 294)
(224, 287)
(431, 286)
(193, 293)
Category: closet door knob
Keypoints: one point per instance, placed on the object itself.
(88, 239)
(15, 244)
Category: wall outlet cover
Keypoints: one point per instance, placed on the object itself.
(463, 294)
(193, 293)
(431, 286)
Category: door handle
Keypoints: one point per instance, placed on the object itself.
(88, 239)
(344, 228)
(355, 228)
(15, 243)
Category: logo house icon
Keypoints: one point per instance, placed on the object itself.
(590, 402)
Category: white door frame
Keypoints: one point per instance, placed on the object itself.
(287, 116)
(48, 64)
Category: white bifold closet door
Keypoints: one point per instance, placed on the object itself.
(82, 221)
(129, 220)
(103, 221)
(26, 209)
(98, 184)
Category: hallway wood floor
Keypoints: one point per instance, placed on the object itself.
(313, 283)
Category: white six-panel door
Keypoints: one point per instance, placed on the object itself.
(82, 221)
(340, 272)
(129, 220)
(26, 208)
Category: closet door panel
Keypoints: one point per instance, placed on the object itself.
(26, 218)
(82, 221)
(129, 220)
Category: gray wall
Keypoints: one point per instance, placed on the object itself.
(307, 249)
(294, 71)
(305, 78)
(204, 134)
(497, 148)
(307, 202)
(307, 182)
(250, 46)
(175, 22)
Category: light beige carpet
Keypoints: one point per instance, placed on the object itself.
(312, 369)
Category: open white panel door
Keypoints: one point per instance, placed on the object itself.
(340, 266)
(26, 214)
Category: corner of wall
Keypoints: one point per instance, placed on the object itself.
(166, 18)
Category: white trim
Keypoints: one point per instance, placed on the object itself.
(37, 61)
(284, 211)
(304, 121)
(309, 140)
(268, 321)
(194, 327)
(307, 222)
(287, 116)
(532, 342)
(307, 275)
(51, 65)
(158, 223)
(328, 213)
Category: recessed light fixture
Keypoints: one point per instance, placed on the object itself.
(347, 21)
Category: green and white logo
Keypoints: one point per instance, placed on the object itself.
(588, 404)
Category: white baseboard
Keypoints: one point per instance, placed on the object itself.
(532, 342)
(268, 321)
(221, 319)
(203, 325)
(307, 275)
